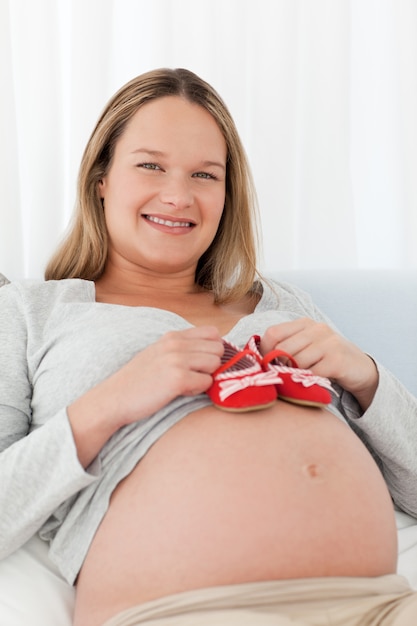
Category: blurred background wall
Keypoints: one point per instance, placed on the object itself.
(324, 93)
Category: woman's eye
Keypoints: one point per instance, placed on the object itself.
(149, 166)
(204, 175)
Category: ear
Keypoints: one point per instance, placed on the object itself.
(101, 187)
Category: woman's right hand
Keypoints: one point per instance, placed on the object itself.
(179, 363)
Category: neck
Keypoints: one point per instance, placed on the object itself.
(118, 281)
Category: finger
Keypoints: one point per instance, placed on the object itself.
(188, 374)
(325, 356)
(309, 342)
(204, 362)
(291, 339)
(197, 382)
(279, 333)
(213, 346)
(193, 340)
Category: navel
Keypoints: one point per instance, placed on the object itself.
(312, 470)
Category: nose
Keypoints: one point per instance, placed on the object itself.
(177, 192)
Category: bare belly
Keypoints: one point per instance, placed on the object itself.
(287, 492)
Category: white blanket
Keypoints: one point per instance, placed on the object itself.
(32, 593)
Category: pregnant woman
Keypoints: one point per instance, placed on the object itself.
(166, 499)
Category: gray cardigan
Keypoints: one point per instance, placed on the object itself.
(56, 342)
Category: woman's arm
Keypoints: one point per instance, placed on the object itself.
(376, 405)
(389, 429)
(180, 363)
(42, 469)
(38, 472)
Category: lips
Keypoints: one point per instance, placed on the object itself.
(169, 223)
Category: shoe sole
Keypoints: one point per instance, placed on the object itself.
(245, 409)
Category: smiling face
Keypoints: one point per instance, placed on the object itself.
(164, 191)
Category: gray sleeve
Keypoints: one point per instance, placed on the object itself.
(40, 469)
(389, 429)
(38, 473)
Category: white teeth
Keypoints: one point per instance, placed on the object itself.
(158, 220)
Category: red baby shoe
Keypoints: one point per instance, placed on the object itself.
(241, 383)
(297, 385)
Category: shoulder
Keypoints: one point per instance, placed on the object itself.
(285, 296)
(30, 296)
(70, 287)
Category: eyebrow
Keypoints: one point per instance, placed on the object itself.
(148, 151)
(159, 153)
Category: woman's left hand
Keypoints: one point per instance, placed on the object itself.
(316, 346)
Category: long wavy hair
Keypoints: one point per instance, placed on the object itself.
(228, 267)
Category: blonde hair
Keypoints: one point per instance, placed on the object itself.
(228, 267)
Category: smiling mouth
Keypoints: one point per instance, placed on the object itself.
(170, 223)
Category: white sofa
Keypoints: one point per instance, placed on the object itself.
(375, 309)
